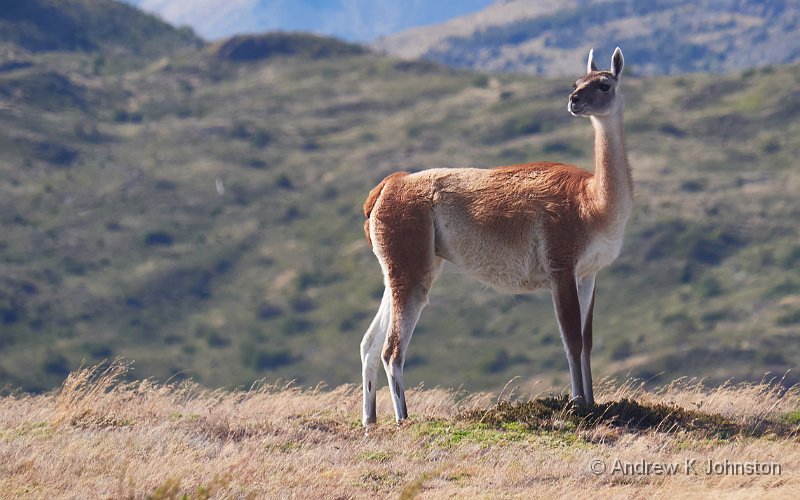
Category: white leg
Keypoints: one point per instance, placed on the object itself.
(586, 299)
(370, 357)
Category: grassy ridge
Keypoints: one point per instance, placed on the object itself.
(99, 435)
(95, 26)
(202, 216)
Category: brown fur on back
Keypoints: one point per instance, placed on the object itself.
(503, 201)
(515, 190)
(373, 196)
(505, 204)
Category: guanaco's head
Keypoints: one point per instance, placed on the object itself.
(595, 93)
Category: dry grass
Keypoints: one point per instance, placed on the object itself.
(101, 437)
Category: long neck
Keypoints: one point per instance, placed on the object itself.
(612, 185)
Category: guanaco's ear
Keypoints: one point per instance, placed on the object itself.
(590, 65)
(617, 62)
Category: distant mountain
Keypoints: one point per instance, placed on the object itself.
(88, 25)
(659, 37)
(354, 20)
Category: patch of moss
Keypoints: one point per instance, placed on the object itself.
(448, 434)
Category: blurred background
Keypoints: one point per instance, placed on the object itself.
(352, 20)
(181, 184)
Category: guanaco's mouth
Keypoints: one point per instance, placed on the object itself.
(576, 108)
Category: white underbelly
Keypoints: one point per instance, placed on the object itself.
(505, 268)
(510, 279)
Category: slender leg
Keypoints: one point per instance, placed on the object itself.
(402, 231)
(404, 319)
(568, 313)
(586, 298)
(407, 305)
(370, 356)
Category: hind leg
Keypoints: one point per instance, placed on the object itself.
(402, 230)
(370, 357)
(407, 305)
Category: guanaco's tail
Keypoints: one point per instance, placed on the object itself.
(372, 198)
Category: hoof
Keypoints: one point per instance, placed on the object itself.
(369, 420)
(578, 402)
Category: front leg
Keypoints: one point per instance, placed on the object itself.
(586, 298)
(568, 313)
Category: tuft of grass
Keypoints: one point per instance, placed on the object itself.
(82, 390)
(376, 456)
(685, 405)
(414, 488)
(380, 480)
(558, 413)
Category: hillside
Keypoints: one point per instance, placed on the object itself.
(99, 437)
(101, 26)
(201, 215)
(664, 37)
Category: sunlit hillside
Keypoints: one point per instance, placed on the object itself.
(200, 212)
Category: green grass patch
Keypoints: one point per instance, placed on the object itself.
(31, 430)
(792, 418)
(448, 434)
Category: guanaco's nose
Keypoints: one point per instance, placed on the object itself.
(575, 104)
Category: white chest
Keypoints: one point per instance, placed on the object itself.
(602, 250)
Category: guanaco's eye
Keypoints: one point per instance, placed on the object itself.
(603, 86)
